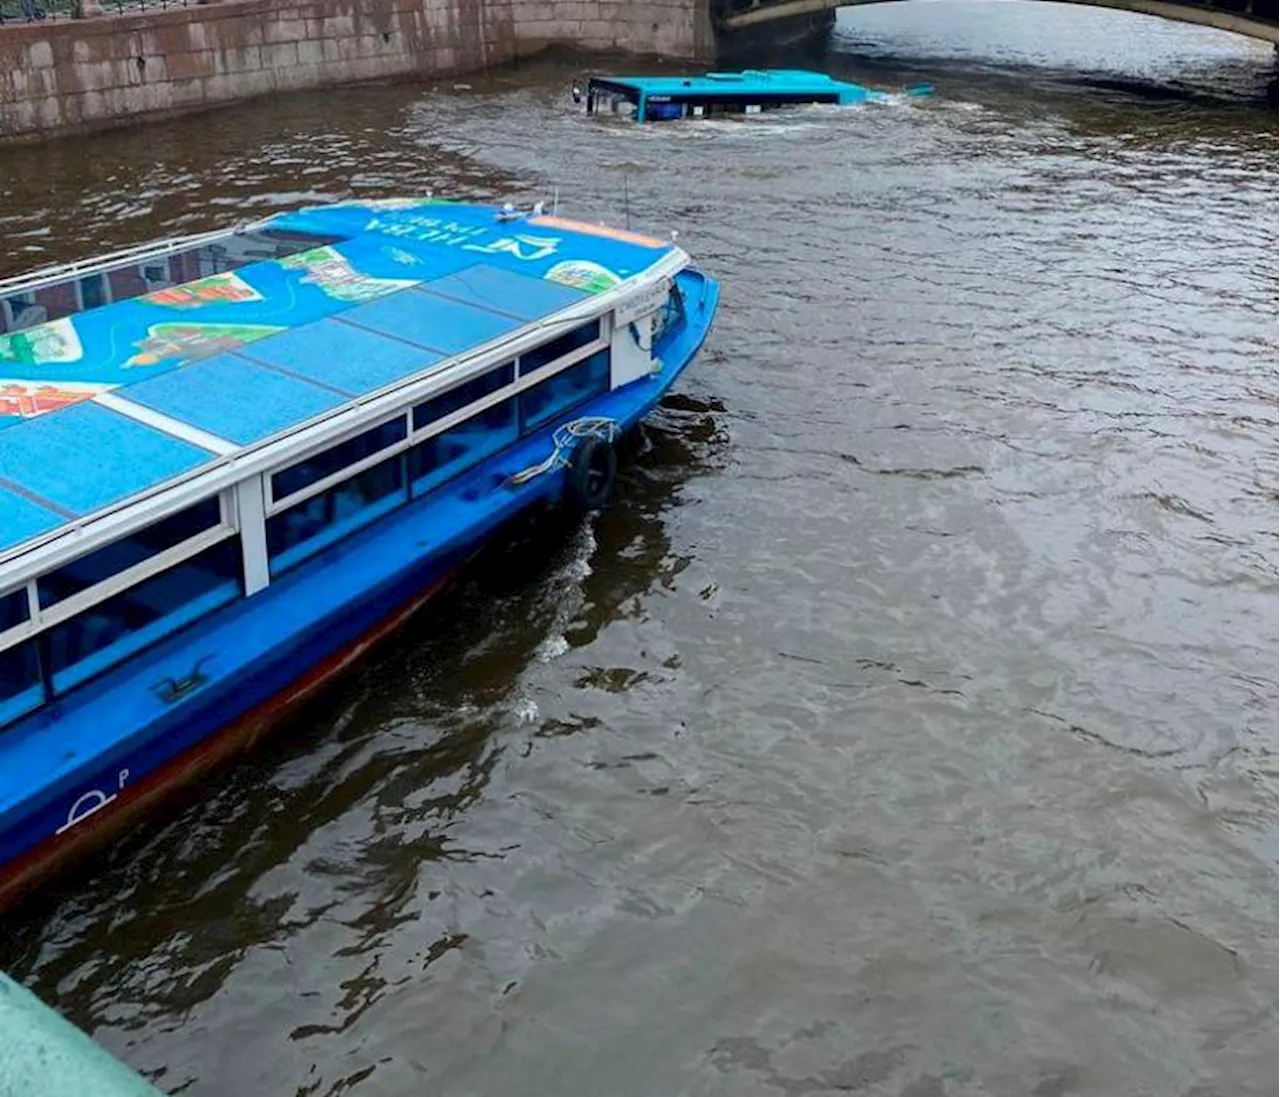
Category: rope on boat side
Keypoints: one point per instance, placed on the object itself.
(565, 438)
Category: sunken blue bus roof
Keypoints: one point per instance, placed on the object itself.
(102, 405)
(797, 84)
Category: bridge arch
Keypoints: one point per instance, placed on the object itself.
(1254, 18)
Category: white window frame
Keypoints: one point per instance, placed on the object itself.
(547, 366)
(436, 426)
(564, 362)
(40, 619)
(165, 282)
(274, 505)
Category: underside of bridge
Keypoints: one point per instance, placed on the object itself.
(1254, 18)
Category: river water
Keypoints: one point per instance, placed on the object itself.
(908, 725)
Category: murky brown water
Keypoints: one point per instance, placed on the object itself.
(907, 728)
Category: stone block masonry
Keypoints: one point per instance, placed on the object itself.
(73, 76)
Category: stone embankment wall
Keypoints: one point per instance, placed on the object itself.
(68, 76)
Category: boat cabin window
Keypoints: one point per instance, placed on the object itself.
(21, 686)
(611, 97)
(141, 614)
(127, 552)
(566, 344)
(322, 465)
(128, 594)
(305, 528)
(448, 453)
(469, 392)
(302, 529)
(14, 609)
(558, 393)
(19, 311)
(95, 291)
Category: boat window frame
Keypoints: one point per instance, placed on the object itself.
(44, 640)
(520, 383)
(14, 634)
(603, 340)
(275, 506)
(41, 685)
(324, 538)
(476, 405)
(40, 619)
(607, 351)
(577, 329)
(417, 490)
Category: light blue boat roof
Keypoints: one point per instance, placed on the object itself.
(373, 294)
(744, 84)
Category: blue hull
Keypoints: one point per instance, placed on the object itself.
(108, 751)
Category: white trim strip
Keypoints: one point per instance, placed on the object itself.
(131, 577)
(184, 432)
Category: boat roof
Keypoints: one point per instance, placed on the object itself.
(287, 321)
(720, 84)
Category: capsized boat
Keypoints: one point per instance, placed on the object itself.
(231, 462)
(666, 98)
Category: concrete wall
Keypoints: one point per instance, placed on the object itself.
(63, 77)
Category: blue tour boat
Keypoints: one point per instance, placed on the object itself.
(231, 462)
(666, 98)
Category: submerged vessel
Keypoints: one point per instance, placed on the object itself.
(231, 462)
(667, 98)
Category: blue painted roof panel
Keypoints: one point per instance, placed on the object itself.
(490, 287)
(21, 519)
(235, 398)
(353, 359)
(87, 457)
(432, 322)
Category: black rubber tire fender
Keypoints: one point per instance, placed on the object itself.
(593, 468)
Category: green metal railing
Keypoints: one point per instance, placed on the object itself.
(29, 11)
(34, 11)
(41, 1055)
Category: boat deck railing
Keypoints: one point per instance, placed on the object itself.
(46, 276)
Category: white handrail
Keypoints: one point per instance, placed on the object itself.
(39, 279)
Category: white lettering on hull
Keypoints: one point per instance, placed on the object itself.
(90, 803)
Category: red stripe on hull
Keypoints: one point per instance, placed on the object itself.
(18, 878)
